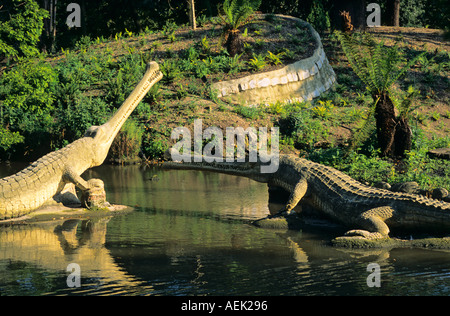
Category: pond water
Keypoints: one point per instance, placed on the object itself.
(190, 234)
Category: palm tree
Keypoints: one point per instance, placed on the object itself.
(233, 15)
(379, 67)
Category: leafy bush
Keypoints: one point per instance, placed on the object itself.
(234, 64)
(27, 101)
(170, 70)
(72, 121)
(19, 35)
(154, 145)
(411, 13)
(274, 59)
(121, 83)
(319, 17)
(417, 166)
(29, 86)
(301, 130)
(8, 139)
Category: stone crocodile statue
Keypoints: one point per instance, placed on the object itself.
(45, 179)
(369, 211)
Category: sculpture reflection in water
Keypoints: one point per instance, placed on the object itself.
(53, 246)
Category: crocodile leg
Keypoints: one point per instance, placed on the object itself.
(372, 222)
(71, 176)
(93, 191)
(296, 195)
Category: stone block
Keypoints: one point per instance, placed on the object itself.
(264, 83)
(292, 77)
(275, 81)
(314, 70)
(303, 74)
(243, 86)
(223, 92)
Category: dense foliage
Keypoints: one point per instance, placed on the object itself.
(20, 27)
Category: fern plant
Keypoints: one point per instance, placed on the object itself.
(380, 67)
(256, 63)
(233, 15)
(274, 59)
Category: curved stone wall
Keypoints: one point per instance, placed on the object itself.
(301, 81)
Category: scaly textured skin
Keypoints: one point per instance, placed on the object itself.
(370, 210)
(32, 187)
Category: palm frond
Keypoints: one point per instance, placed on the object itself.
(366, 128)
(377, 65)
(237, 12)
(350, 46)
(404, 69)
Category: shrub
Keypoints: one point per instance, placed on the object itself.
(71, 122)
(19, 35)
(8, 139)
(29, 86)
(302, 130)
(170, 70)
(319, 17)
(274, 59)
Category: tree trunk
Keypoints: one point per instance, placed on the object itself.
(385, 123)
(393, 9)
(356, 8)
(49, 34)
(234, 43)
(192, 19)
(402, 138)
(55, 3)
(393, 134)
(396, 13)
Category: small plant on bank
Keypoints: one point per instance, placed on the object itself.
(274, 59)
(256, 63)
(235, 64)
(170, 70)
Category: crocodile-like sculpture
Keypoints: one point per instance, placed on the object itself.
(371, 212)
(46, 178)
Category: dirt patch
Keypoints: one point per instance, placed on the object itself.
(416, 38)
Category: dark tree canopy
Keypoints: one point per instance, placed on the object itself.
(108, 17)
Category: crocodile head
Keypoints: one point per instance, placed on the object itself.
(104, 135)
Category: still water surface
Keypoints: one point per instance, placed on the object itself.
(190, 235)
